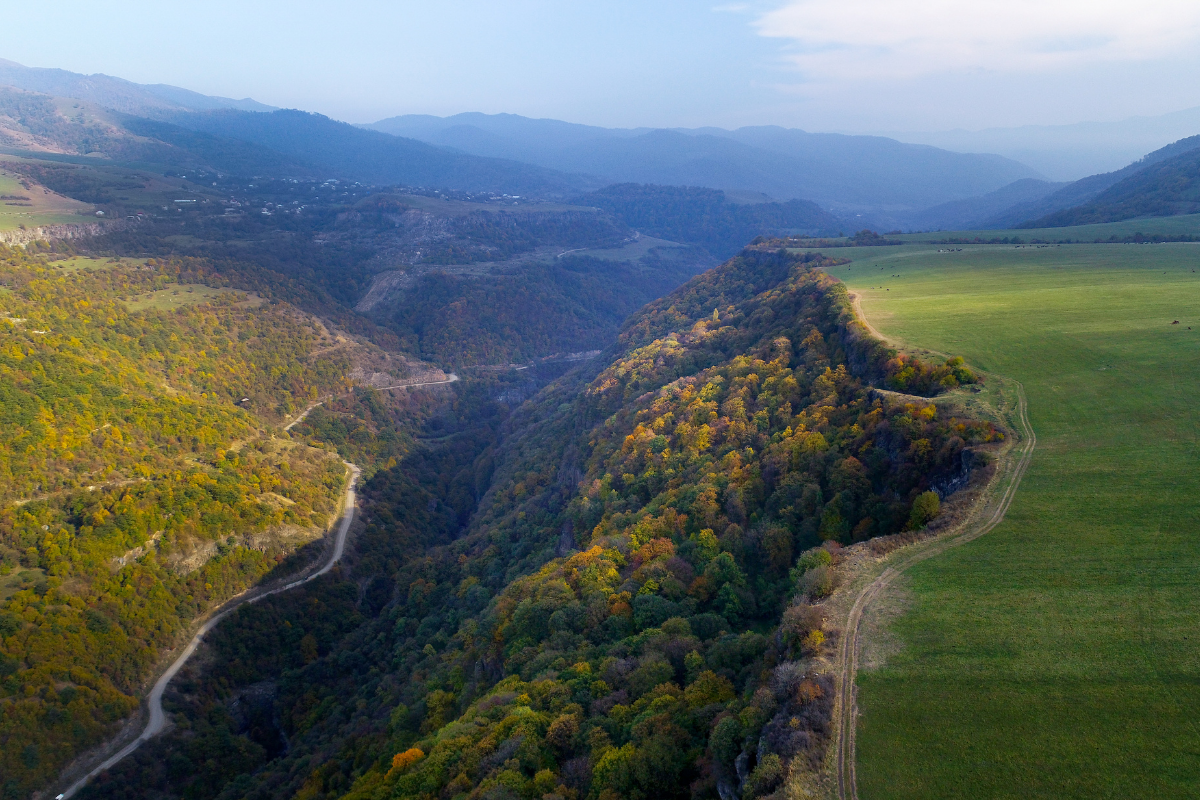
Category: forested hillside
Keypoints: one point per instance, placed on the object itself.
(1084, 190)
(706, 217)
(140, 482)
(570, 304)
(613, 591)
(449, 278)
(1161, 189)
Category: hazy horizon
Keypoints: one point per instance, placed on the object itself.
(853, 66)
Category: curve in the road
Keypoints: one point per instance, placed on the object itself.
(157, 720)
(451, 378)
(848, 652)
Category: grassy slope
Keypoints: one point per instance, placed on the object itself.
(43, 209)
(1056, 657)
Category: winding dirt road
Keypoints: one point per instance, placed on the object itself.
(851, 645)
(450, 379)
(157, 719)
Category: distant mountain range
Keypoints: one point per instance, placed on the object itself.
(1082, 191)
(345, 151)
(117, 93)
(824, 182)
(845, 174)
(1069, 152)
(248, 143)
(982, 211)
(1163, 184)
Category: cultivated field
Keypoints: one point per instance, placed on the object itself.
(1058, 655)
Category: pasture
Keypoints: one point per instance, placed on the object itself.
(35, 206)
(1183, 225)
(185, 294)
(83, 262)
(1057, 656)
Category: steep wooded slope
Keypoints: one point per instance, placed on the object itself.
(140, 483)
(633, 605)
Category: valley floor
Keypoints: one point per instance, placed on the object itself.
(1053, 657)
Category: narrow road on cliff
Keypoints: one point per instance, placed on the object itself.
(986, 518)
(157, 719)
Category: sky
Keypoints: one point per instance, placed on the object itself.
(822, 65)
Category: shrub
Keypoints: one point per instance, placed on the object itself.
(562, 731)
(817, 583)
(810, 559)
(799, 619)
(924, 508)
(765, 778)
(812, 643)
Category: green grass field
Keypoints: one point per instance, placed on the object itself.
(1188, 224)
(180, 295)
(82, 262)
(1058, 656)
(39, 209)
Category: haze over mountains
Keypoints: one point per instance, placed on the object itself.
(1069, 152)
(848, 174)
(1084, 190)
(841, 181)
(116, 93)
(1163, 184)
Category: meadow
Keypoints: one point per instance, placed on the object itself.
(1166, 227)
(33, 207)
(180, 295)
(1056, 656)
(76, 263)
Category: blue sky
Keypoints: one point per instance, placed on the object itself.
(850, 65)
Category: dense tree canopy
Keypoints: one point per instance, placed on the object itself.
(618, 594)
(140, 483)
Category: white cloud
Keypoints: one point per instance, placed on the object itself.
(839, 40)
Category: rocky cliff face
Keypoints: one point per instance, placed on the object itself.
(19, 237)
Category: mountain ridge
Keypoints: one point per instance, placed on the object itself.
(1084, 190)
(1072, 151)
(116, 93)
(1164, 187)
(834, 170)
